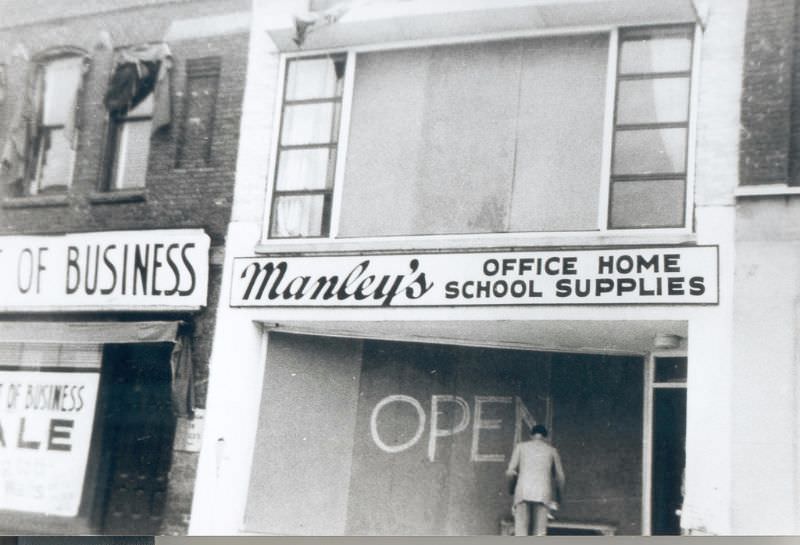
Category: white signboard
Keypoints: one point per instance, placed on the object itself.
(46, 423)
(663, 275)
(113, 270)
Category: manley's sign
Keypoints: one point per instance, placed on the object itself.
(663, 275)
(112, 270)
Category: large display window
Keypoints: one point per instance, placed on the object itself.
(396, 438)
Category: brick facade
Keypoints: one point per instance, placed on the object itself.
(191, 197)
(770, 131)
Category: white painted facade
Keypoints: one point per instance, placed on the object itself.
(239, 349)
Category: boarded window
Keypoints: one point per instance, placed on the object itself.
(476, 138)
(200, 98)
(385, 438)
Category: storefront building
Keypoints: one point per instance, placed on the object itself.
(119, 124)
(765, 383)
(454, 220)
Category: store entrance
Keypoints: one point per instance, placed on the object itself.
(137, 437)
(669, 436)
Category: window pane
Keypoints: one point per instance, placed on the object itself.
(298, 216)
(650, 151)
(55, 156)
(61, 78)
(305, 169)
(313, 78)
(664, 100)
(651, 203)
(308, 124)
(133, 148)
(669, 52)
(671, 369)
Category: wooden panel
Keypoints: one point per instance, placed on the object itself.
(139, 432)
(459, 490)
(301, 465)
(597, 427)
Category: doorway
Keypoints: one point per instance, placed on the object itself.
(137, 437)
(668, 443)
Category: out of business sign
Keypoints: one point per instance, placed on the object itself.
(111, 270)
(46, 421)
(658, 275)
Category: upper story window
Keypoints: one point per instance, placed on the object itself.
(649, 167)
(486, 137)
(38, 154)
(58, 83)
(138, 100)
(306, 162)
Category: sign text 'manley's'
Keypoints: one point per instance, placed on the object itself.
(674, 275)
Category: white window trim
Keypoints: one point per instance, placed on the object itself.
(647, 436)
(602, 236)
(766, 190)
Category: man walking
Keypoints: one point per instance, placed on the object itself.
(537, 466)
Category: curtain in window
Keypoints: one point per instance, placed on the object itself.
(72, 122)
(23, 129)
(139, 71)
(26, 120)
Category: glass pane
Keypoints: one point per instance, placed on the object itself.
(671, 369)
(670, 51)
(651, 203)
(650, 151)
(61, 78)
(664, 100)
(305, 169)
(55, 156)
(313, 78)
(308, 124)
(133, 149)
(298, 216)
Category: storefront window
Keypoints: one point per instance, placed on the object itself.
(649, 166)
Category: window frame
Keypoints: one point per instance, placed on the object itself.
(33, 169)
(602, 235)
(688, 125)
(114, 126)
(331, 197)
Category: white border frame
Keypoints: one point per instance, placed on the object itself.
(594, 237)
(647, 436)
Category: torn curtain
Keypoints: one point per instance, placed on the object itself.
(23, 129)
(182, 377)
(139, 71)
(19, 147)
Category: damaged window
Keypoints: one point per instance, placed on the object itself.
(138, 103)
(57, 88)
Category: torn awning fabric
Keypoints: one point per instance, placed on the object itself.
(139, 71)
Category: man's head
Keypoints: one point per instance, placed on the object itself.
(540, 430)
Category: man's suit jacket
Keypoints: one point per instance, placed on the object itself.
(538, 468)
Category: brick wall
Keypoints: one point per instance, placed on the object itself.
(768, 152)
(175, 197)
